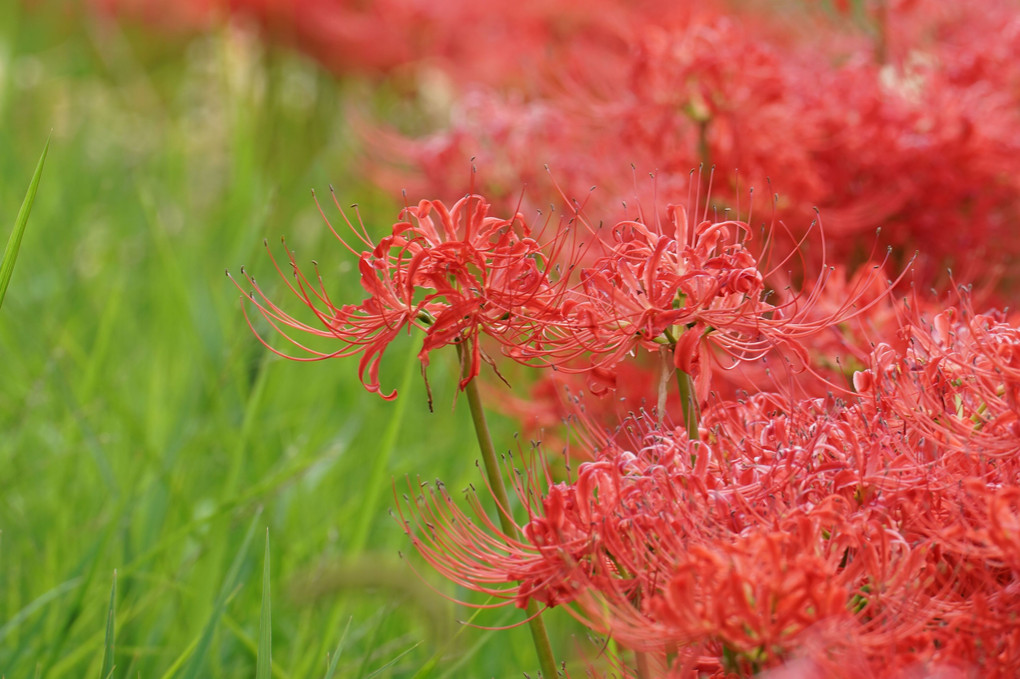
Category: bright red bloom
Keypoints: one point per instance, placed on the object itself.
(952, 378)
(455, 273)
(686, 285)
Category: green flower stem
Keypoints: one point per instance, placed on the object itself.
(689, 402)
(538, 632)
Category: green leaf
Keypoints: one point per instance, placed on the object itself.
(331, 670)
(264, 660)
(14, 242)
(37, 604)
(107, 671)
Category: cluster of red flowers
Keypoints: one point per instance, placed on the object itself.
(843, 498)
(870, 534)
(578, 297)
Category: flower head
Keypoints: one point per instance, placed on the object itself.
(456, 273)
(695, 287)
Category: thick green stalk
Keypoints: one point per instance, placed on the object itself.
(689, 402)
(538, 632)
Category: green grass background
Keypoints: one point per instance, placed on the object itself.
(144, 430)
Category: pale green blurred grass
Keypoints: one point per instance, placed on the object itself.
(142, 426)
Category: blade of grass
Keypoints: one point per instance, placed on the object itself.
(371, 646)
(264, 660)
(87, 568)
(394, 660)
(331, 670)
(453, 666)
(250, 644)
(107, 670)
(194, 668)
(14, 242)
(38, 603)
(172, 670)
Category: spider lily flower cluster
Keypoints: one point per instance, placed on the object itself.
(459, 274)
(778, 524)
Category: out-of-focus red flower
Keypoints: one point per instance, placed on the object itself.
(922, 145)
(505, 42)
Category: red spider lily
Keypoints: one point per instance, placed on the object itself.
(547, 561)
(955, 382)
(686, 288)
(455, 273)
(834, 355)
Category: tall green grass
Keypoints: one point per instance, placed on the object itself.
(145, 431)
(10, 255)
